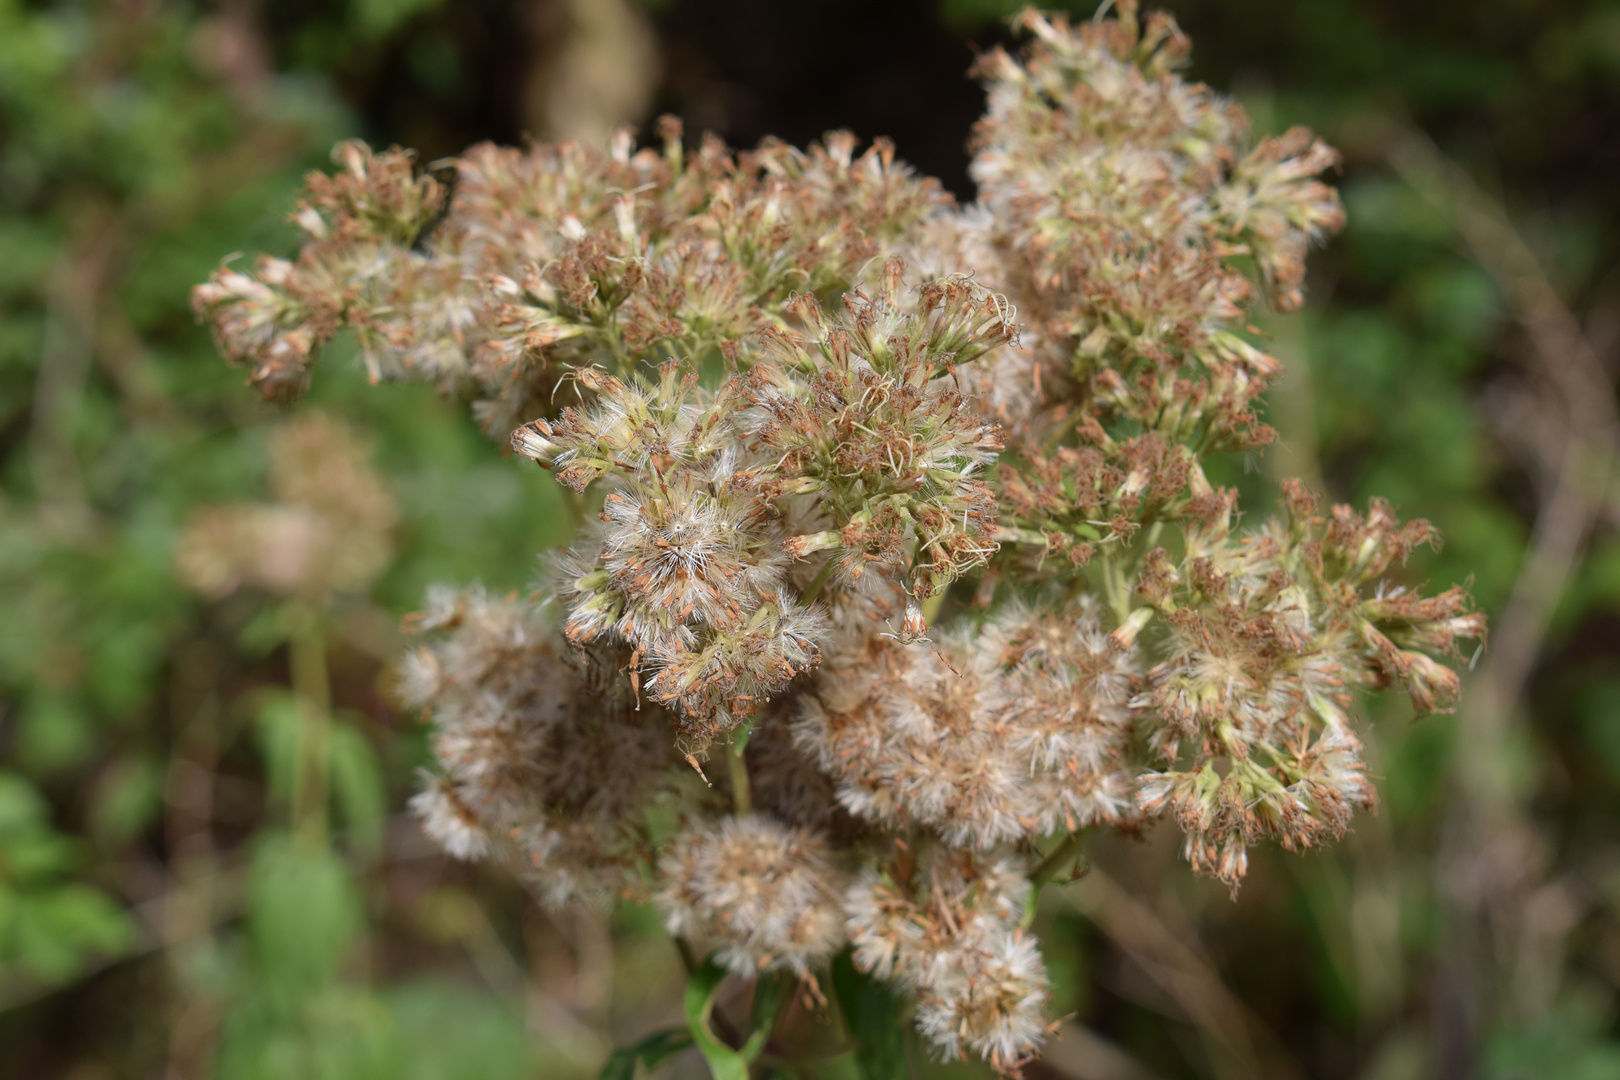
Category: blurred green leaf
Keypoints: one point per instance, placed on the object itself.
(303, 912)
(650, 1052)
(357, 784)
(280, 732)
(21, 807)
(374, 18)
(772, 990)
(128, 798)
(337, 1033)
(872, 1011)
(724, 1062)
(56, 930)
(56, 732)
(50, 927)
(446, 1032)
(1571, 1042)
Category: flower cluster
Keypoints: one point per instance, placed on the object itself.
(1266, 638)
(327, 529)
(769, 894)
(1121, 204)
(557, 256)
(359, 267)
(545, 757)
(845, 441)
(814, 406)
(1013, 729)
(950, 928)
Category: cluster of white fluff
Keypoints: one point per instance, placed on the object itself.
(953, 933)
(1010, 730)
(767, 894)
(687, 571)
(542, 750)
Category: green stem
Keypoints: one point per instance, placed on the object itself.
(1114, 588)
(574, 502)
(609, 325)
(312, 688)
(742, 803)
(1049, 866)
(822, 577)
(689, 956)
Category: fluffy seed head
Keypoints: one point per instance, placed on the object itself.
(766, 893)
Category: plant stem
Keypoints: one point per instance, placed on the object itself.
(1049, 866)
(689, 957)
(816, 583)
(1115, 589)
(312, 688)
(742, 803)
(1007, 535)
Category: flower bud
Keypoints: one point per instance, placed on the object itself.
(532, 440)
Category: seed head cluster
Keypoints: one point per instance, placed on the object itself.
(950, 928)
(1012, 729)
(768, 894)
(543, 756)
(902, 564)
(326, 530)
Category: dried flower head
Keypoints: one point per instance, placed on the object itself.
(1014, 729)
(767, 894)
(951, 929)
(543, 754)
(327, 531)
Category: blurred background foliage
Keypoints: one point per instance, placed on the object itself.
(163, 908)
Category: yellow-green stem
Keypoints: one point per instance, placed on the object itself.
(689, 957)
(1115, 590)
(312, 689)
(817, 582)
(574, 503)
(742, 803)
(1049, 866)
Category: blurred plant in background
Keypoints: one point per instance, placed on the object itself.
(140, 141)
(160, 748)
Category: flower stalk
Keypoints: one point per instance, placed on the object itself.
(312, 690)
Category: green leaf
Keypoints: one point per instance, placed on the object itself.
(54, 732)
(652, 1051)
(303, 911)
(55, 931)
(378, 18)
(357, 785)
(447, 1032)
(128, 798)
(263, 632)
(872, 1012)
(770, 994)
(724, 1062)
(280, 742)
(22, 808)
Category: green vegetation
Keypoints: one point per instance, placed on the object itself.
(158, 909)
